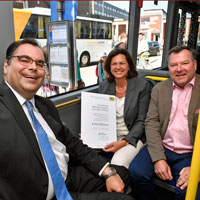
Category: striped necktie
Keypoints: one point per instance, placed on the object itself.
(59, 185)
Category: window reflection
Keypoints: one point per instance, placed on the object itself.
(101, 34)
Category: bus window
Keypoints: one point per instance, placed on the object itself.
(94, 34)
(184, 27)
(198, 36)
(40, 27)
(98, 30)
(103, 16)
(78, 29)
(95, 30)
(35, 27)
(46, 19)
(31, 29)
(109, 31)
(151, 35)
(84, 29)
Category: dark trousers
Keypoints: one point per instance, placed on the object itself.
(85, 185)
(142, 173)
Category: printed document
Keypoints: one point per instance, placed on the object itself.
(98, 119)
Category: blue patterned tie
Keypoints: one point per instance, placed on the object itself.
(49, 156)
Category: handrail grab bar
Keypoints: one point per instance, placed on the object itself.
(195, 167)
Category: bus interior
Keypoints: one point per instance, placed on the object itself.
(69, 103)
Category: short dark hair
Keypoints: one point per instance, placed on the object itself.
(14, 46)
(178, 49)
(141, 34)
(132, 68)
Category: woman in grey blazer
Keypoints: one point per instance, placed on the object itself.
(132, 100)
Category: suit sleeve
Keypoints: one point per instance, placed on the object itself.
(82, 154)
(78, 152)
(137, 130)
(153, 128)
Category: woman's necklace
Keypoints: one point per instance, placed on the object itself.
(121, 91)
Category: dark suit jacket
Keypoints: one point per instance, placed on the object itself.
(135, 108)
(21, 164)
(159, 113)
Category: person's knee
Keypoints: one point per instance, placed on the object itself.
(121, 161)
(141, 168)
(135, 172)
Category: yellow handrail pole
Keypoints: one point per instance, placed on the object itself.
(195, 167)
(68, 103)
(157, 78)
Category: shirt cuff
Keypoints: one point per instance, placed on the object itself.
(100, 173)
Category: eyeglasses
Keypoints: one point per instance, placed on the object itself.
(27, 61)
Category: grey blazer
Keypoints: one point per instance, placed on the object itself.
(135, 108)
(159, 113)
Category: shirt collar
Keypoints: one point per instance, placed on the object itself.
(190, 83)
(20, 98)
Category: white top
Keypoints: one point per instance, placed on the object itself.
(142, 46)
(121, 126)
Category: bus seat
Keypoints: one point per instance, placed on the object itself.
(151, 82)
(168, 186)
(164, 191)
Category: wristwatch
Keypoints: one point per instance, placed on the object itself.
(112, 171)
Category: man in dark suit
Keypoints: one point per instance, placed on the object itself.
(24, 173)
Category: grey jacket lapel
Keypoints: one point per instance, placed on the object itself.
(166, 99)
(112, 89)
(129, 94)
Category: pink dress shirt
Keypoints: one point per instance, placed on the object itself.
(177, 136)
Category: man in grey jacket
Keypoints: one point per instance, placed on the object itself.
(170, 128)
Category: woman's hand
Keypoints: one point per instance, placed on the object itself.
(115, 146)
